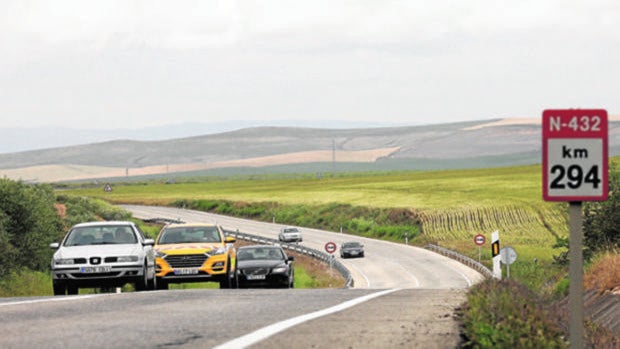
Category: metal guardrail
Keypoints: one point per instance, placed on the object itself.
(322, 256)
(461, 259)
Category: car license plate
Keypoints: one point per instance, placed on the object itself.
(353, 253)
(185, 271)
(99, 269)
(255, 277)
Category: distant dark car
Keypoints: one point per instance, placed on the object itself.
(351, 249)
(264, 266)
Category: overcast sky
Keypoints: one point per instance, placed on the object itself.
(119, 64)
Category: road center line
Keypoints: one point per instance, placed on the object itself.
(265, 332)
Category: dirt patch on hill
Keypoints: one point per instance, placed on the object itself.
(56, 173)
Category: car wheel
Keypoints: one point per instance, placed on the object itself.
(143, 283)
(72, 289)
(60, 289)
(152, 284)
(235, 278)
(226, 282)
(161, 284)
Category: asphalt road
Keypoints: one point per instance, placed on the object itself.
(223, 318)
(404, 297)
(386, 265)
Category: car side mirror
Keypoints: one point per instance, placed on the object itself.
(148, 242)
(230, 239)
(291, 258)
(54, 245)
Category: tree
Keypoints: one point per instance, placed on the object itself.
(601, 223)
(29, 222)
(601, 220)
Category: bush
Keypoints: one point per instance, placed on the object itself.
(29, 222)
(391, 224)
(505, 314)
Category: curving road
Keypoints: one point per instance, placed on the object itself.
(404, 297)
(386, 264)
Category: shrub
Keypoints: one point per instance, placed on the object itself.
(505, 314)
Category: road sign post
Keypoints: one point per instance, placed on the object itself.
(508, 256)
(575, 169)
(497, 267)
(479, 240)
(330, 248)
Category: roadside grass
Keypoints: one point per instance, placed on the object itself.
(26, 283)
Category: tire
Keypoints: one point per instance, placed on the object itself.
(226, 282)
(152, 284)
(161, 284)
(234, 279)
(60, 289)
(72, 290)
(143, 283)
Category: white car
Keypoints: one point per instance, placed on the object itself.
(290, 234)
(103, 255)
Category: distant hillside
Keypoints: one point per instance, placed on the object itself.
(457, 145)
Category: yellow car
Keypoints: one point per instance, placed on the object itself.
(194, 252)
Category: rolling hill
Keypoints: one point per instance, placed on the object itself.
(477, 144)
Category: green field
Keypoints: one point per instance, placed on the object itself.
(452, 205)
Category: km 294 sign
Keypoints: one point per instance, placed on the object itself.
(575, 155)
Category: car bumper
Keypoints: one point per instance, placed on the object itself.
(112, 276)
(292, 239)
(213, 269)
(272, 280)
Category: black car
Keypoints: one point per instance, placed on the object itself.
(351, 249)
(264, 266)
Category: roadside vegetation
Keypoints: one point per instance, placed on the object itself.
(447, 208)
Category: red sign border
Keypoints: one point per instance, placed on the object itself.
(484, 239)
(330, 245)
(603, 134)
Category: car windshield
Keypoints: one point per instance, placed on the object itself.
(179, 235)
(291, 230)
(246, 254)
(101, 235)
(351, 244)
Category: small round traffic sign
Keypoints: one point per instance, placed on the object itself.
(330, 247)
(508, 255)
(480, 239)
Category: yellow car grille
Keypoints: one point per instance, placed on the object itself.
(186, 260)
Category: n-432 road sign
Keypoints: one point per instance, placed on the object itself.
(575, 155)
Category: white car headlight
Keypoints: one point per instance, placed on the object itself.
(64, 261)
(279, 269)
(215, 252)
(125, 259)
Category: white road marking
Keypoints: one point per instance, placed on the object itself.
(265, 332)
(55, 299)
(469, 281)
(361, 273)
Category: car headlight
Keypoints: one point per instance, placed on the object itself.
(160, 254)
(279, 269)
(64, 261)
(125, 259)
(215, 252)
